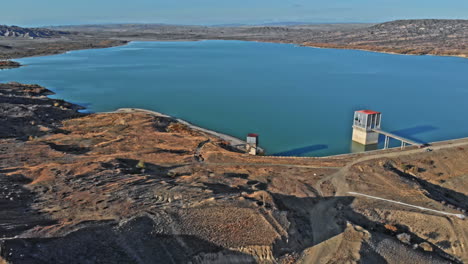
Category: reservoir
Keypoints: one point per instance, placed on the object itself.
(300, 100)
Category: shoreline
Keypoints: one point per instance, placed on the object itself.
(341, 47)
(9, 64)
(68, 51)
(374, 49)
(42, 93)
(234, 142)
(383, 52)
(34, 51)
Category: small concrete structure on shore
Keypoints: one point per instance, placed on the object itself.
(365, 121)
(252, 144)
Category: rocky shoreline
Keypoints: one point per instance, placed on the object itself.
(234, 142)
(43, 114)
(9, 64)
(27, 112)
(387, 50)
(22, 48)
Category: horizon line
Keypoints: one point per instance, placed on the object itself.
(286, 22)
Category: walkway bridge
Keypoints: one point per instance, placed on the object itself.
(404, 141)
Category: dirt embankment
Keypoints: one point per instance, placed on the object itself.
(138, 188)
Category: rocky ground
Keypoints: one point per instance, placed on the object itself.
(138, 188)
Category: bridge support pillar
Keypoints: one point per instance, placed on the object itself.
(387, 142)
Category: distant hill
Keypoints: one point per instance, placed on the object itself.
(424, 25)
(424, 29)
(417, 37)
(15, 31)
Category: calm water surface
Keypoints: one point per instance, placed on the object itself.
(300, 100)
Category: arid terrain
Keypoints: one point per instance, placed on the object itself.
(132, 187)
(138, 187)
(416, 37)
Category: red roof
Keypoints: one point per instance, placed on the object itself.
(252, 135)
(368, 112)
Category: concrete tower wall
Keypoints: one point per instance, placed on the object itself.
(364, 137)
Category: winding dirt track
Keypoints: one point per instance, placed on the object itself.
(338, 179)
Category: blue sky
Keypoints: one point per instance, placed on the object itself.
(56, 12)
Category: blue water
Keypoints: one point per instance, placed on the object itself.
(300, 100)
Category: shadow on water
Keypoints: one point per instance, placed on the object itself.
(410, 133)
(356, 147)
(302, 151)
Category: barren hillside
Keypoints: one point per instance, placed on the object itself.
(132, 187)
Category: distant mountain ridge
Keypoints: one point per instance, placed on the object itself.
(15, 31)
